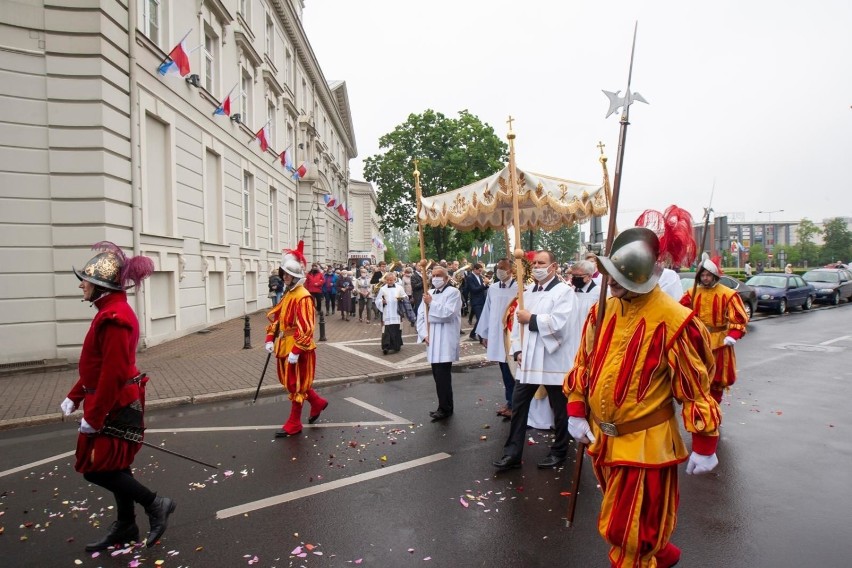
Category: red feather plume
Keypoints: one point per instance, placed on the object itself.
(674, 228)
(133, 269)
(298, 253)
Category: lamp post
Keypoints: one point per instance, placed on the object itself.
(769, 221)
(769, 213)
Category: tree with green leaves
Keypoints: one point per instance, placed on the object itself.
(563, 242)
(807, 249)
(451, 153)
(838, 241)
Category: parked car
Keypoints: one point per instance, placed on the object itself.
(747, 294)
(832, 284)
(779, 292)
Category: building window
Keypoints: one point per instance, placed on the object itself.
(211, 53)
(245, 11)
(270, 39)
(245, 97)
(270, 117)
(273, 217)
(213, 200)
(288, 69)
(157, 197)
(151, 20)
(304, 96)
(291, 224)
(248, 191)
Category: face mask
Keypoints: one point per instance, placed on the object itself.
(502, 274)
(437, 282)
(540, 273)
(578, 281)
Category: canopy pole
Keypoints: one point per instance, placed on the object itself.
(419, 193)
(516, 212)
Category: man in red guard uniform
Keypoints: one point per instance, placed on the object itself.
(651, 352)
(112, 392)
(292, 322)
(722, 311)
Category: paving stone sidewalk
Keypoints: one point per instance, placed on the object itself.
(213, 365)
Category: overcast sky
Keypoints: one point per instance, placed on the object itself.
(755, 95)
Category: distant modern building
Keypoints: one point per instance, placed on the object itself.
(363, 244)
(98, 146)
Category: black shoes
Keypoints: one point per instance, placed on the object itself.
(158, 516)
(551, 462)
(438, 415)
(119, 534)
(506, 463)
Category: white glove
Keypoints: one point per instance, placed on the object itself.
(699, 463)
(580, 430)
(85, 428)
(293, 358)
(729, 341)
(68, 406)
(270, 346)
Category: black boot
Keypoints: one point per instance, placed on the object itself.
(158, 516)
(119, 533)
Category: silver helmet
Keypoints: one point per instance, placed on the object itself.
(632, 262)
(293, 267)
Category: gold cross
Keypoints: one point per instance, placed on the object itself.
(510, 122)
(601, 146)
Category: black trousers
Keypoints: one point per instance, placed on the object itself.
(521, 398)
(126, 489)
(443, 375)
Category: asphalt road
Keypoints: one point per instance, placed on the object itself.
(377, 484)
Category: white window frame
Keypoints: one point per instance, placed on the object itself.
(245, 96)
(247, 207)
(146, 20)
(270, 38)
(211, 60)
(273, 206)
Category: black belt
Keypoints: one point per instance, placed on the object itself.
(135, 380)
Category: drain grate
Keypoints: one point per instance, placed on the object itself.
(22, 365)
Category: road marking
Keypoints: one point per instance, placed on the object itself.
(391, 419)
(836, 339)
(25, 467)
(316, 489)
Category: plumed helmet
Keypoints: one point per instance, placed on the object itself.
(294, 261)
(709, 266)
(113, 270)
(633, 260)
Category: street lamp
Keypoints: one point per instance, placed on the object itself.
(771, 212)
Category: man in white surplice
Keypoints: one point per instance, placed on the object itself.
(544, 345)
(442, 306)
(491, 327)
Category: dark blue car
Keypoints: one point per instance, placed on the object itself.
(779, 292)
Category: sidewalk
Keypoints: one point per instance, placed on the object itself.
(212, 365)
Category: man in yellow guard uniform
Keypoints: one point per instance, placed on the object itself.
(292, 321)
(651, 352)
(722, 311)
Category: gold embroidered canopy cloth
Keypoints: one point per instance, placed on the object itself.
(545, 202)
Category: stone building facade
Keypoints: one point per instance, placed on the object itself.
(96, 145)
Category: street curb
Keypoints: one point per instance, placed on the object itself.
(248, 393)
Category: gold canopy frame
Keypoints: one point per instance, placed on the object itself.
(513, 197)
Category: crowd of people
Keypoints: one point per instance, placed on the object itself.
(602, 370)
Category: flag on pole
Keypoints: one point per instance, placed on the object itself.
(300, 172)
(286, 159)
(341, 209)
(177, 61)
(330, 201)
(224, 107)
(262, 136)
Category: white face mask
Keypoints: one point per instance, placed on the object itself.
(502, 274)
(437, 282)
(540, 273)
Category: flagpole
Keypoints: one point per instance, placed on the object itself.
(610, 235)
(167, 57)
